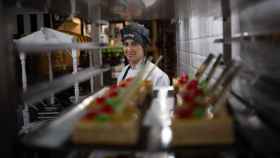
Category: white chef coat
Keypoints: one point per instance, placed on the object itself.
(157, 76)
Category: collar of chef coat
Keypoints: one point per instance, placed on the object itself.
(138, 65)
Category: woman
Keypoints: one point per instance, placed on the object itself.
(135, 38)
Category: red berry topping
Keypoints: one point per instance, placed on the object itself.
(100, 100)
(183, 78)
(114, 86)
(193, 84)
(107, 109)
(188, 98)
(181, 81)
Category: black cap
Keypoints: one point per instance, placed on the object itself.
(136, 32)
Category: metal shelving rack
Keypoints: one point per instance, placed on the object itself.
(48, 40)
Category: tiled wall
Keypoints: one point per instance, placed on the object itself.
(199, 23)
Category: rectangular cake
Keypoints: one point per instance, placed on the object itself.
(193, 122)
(119, 132)
(218, 130)
(113, 118)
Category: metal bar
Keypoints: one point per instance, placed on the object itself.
(23, 71)
(213, 69)
(75, 70)
(252, 37)
(203, 67)
(44, 90)
(48, 113)
(91, 65)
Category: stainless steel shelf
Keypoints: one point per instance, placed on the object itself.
(39, 48)
(46, 89)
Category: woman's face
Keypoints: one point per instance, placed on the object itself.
(133, 51)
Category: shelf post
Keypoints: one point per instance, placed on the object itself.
(75, 70)
(91, 65)
(23, 71)
(50, 75)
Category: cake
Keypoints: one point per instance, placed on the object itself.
(192, 122)
(114, 117)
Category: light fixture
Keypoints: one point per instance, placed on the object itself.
(72, 20)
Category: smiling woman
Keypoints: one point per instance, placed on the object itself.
(133, 51)
(135, 39)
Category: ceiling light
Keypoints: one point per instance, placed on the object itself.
(149, 3)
